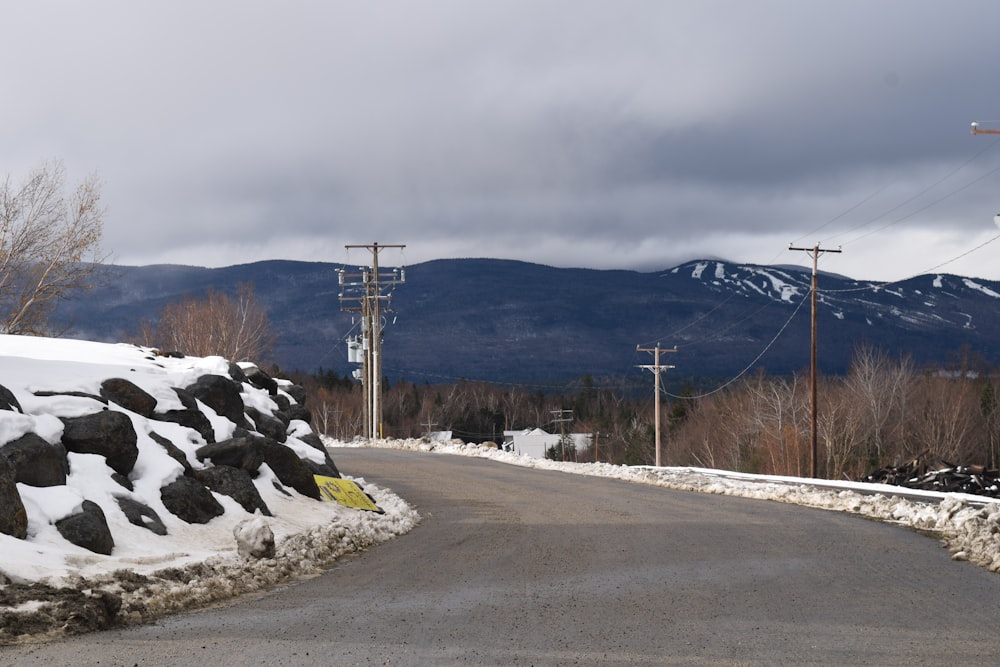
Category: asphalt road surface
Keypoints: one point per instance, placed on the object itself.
(514, 566)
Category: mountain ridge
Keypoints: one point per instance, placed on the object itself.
(511, 321)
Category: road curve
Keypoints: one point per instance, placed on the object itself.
(516, 566)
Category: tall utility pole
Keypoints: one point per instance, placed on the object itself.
(562, 417)
(370, 293)
(814, 252)
(657, 369)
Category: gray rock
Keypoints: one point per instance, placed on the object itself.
(173, 450)
(300, 412)
(188, 500)
(13, 518)
(290, 469)
(8, 401)
(298, 393)
(235, 483)
(222, 395)
(261, 380)
(108, 433)
(88, 529)
(187, 400)
(35, 461)
(244, 452)
(192, 419)
(267, 425)
(126, 394)
(141, 515)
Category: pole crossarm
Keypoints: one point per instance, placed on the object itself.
(657, 368)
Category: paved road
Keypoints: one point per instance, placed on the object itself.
(513, 566)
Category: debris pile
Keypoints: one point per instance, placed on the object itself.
(939, 475)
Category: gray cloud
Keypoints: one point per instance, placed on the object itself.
(637, 134)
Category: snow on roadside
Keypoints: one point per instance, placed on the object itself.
(316, 542)
(968, 525)
(309, 537)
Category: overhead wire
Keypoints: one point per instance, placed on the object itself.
(747, 368)
(869, 286)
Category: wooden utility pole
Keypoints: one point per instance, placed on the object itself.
(369, 292)
(814, 252)
(563, 417)
(657, 369)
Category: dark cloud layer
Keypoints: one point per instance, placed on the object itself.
(635, 134)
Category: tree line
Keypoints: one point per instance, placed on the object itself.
(884, 411)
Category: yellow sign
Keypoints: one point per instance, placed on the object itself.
(345, 492)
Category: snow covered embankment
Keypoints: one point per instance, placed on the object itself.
(968, 525)
(155, 553)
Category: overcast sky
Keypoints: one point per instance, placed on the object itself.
(611, 134)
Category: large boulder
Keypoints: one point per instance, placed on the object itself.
(13, 518)
(108, 433)
(188, 500)
(35, 461)
(290, 469)
(128, 395)
(222, 395)
(245, 452)
(235, 483)
(88, 529)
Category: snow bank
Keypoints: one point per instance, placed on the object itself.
(49, 585)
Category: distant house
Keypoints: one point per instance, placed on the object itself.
(535, 442)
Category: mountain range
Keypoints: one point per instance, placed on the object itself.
(510, 321)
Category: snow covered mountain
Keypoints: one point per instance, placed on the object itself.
(510, 321)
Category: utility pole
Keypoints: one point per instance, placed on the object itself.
(814, 252)
(562, 417)
(370, 293)
(657, 369)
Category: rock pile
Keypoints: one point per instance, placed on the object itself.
(939, 475)
(220, 432)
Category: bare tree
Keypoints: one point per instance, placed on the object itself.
(236, 328)
(49, 245)
(882, 387)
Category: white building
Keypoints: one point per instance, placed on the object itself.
(535, 442)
